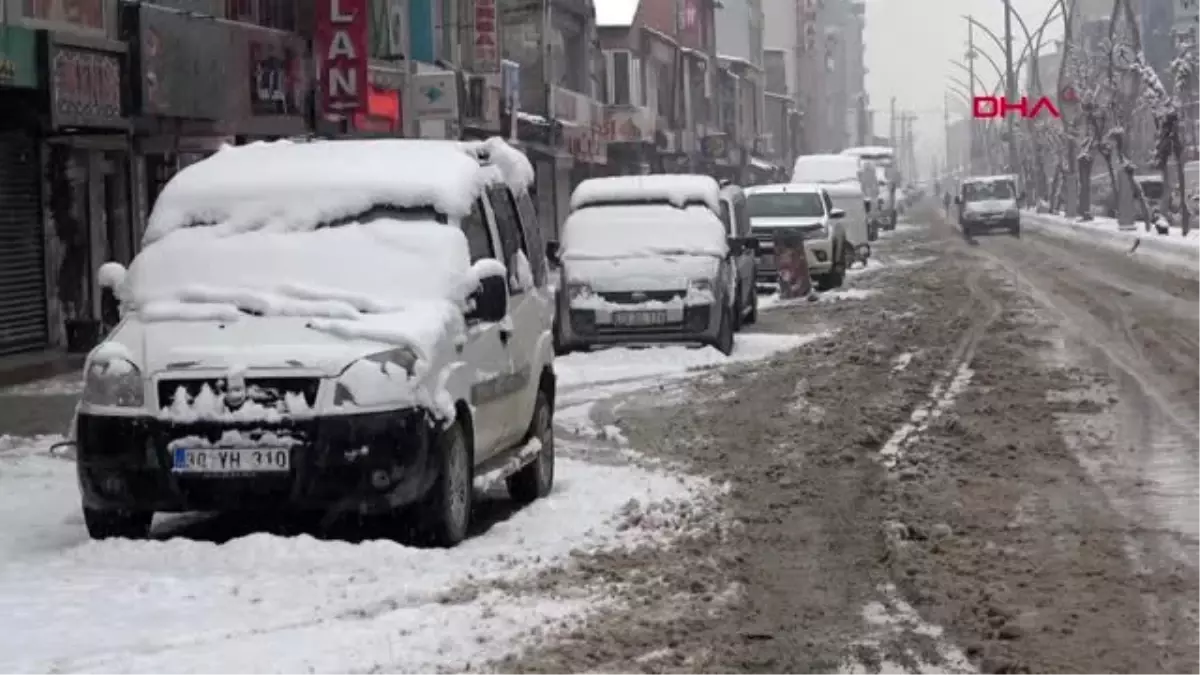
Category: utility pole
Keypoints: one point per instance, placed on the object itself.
(946, 126)
(971, 76)
(1010, 86)
(892, 124)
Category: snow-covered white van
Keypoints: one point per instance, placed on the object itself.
(839, 175)
(647, 259)
(333, 326)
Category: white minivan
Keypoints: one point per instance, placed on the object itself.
(338, 327)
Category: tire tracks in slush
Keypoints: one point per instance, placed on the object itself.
(1143, 455)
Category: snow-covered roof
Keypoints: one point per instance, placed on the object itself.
(784, 187)
(677, 189)
(870, 151)
(825, 169)
(642, 231)
(615, 13)
(294, 186)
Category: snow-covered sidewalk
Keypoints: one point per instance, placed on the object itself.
(1174, 252)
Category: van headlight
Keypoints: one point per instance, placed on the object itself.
(576, 290)
(700, 285)
(114, 383)
(372, 379)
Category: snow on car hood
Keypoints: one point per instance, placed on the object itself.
(642, 231)
(774, 223)
(991, 205)
(617, 275)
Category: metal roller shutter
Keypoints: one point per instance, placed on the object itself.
(22, 281)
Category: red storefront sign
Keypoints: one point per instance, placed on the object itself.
(487, 49)
(383, 112)
(341, 46)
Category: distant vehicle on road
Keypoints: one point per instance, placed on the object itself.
(989, 202)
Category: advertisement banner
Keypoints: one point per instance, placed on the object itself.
(85, 88)
(486, 38)
(340, 43)
(184, 64)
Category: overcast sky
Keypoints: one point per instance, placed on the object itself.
(910, 43)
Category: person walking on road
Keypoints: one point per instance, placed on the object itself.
(946, 201)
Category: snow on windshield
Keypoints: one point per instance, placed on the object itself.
(984, 191)
(642, 231)
(677, 189)
(286, 186)
(825, 169)
(785, 205)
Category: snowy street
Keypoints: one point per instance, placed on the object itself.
(976, 456)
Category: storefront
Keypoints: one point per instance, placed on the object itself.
(23, 296)
(187, 97)
(87, 195)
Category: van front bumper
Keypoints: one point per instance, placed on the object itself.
(366, 463)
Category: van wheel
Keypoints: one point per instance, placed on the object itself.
(117, 524)
(737, 310)
(445, 513)
(724, 342)
(536, 479)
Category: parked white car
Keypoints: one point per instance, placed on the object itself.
(807, 210)
(646, 259)
(326, 326)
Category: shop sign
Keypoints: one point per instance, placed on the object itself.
(18, 58)
(437, 96)
(341, 46)
(628, 126)
(85, 88)
(184, 65)
(486, 38)
(87, 14)
(277, 81)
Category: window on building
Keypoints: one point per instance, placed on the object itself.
(620, 77)
(666, 98)
(241, 10)
(280, 14)
(775, 65)
(602, 75)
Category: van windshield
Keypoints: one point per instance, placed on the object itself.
(785, 205)
(981, 192)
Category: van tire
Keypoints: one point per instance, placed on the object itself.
(536, 479)
(444, 515)
(724, 342)
(118, 524)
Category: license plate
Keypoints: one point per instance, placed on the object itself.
(231, 460)
(639, 318)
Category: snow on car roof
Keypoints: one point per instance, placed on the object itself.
(784, 187)
(825, 169)
(872, 151)
(989, 179)
(642, 231)
(289, 186)
(678, 189)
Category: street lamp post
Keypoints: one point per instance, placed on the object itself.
(1011, 85)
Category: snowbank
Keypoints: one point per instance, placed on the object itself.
(286, 186)
(1173, 252)
(642, 231)
(677, 189)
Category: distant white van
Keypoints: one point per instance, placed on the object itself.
(839, 174)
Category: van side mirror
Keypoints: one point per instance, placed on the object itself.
(111, 275)
(491, 297)
(837, 214)
(552, 251)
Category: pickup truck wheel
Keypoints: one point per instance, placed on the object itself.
(737, 310)
(536, 479)
(117, 524)
(445, 513)
(752, 316)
